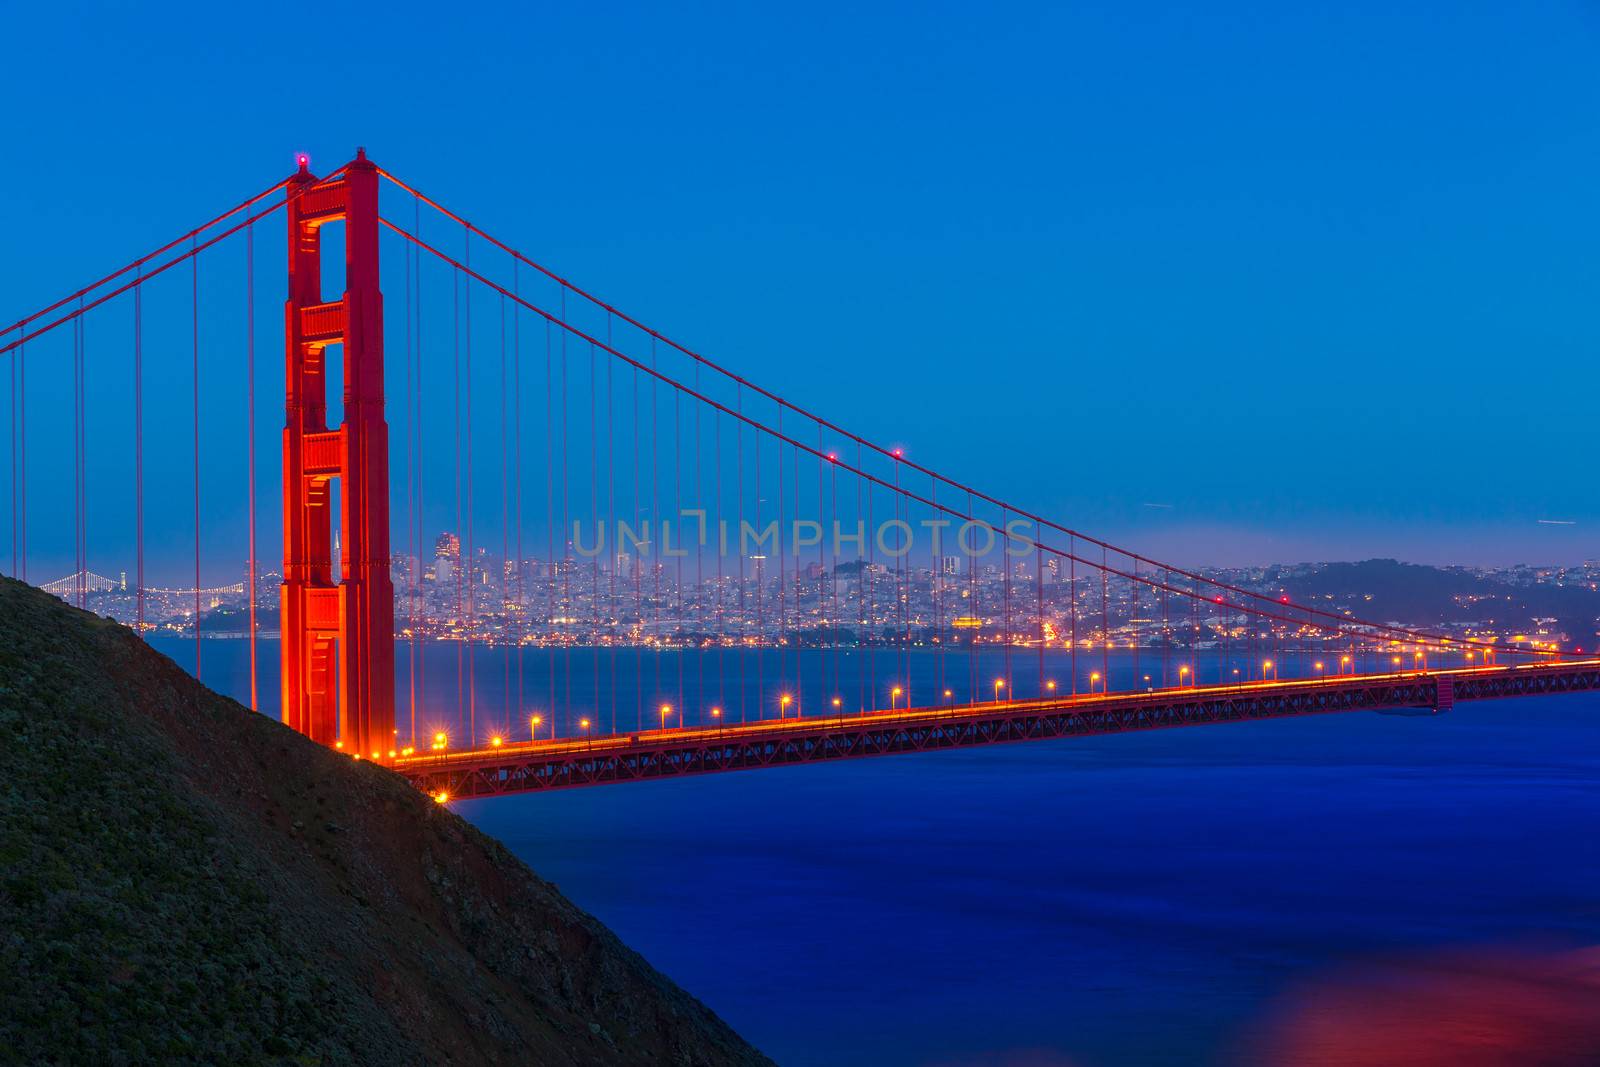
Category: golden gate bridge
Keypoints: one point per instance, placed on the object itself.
(781, 570)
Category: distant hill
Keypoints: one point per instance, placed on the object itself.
(185, 882)
(1385, 590)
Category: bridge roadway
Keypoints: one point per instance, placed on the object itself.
(526, 766)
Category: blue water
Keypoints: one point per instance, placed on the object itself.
(1138, 899)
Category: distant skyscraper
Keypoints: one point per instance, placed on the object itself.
(446, 557)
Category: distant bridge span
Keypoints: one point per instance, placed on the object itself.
(530, 767)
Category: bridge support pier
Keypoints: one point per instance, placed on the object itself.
(337, 630)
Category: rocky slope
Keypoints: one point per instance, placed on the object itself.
(183, 881)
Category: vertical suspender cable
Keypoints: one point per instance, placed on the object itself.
(250, 451)
(744, 618)
(14, 553)
(778, 548)
(469, 553)
(638, 564)
(610, 516)
(550, 523)
(1038, 594)
(138, 456)
(567, 613)
(461, 556)
(655, 508)
(420, 681)
(594, 509)
(415, 563)
(22, 457)
(516, 419)
(1072, 586)
(77, 458)
(194, 378)
(13, 471)
(503, 584)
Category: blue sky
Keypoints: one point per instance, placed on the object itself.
(1320, 277)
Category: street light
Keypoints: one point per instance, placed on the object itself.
(1344, 661)
(496, 741)
(533, 727)
(1267, 665)
(666, 712)
(1183, 675)
(1317, 666)
(837, 703)
(1094, 677)
(716, 717)
(894, 694)
(783, 705)
(999, 684)
(583, 724)
(1050, 687)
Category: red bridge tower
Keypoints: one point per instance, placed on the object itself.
(337, 632)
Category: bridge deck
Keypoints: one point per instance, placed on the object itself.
(534, 766)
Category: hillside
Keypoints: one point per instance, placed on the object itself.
(1387, 590)
(183, 881)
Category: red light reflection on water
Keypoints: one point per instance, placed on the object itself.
(1501, 1007)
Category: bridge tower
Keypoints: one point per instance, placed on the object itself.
(337, 631)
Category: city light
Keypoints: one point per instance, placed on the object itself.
(496, 741)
